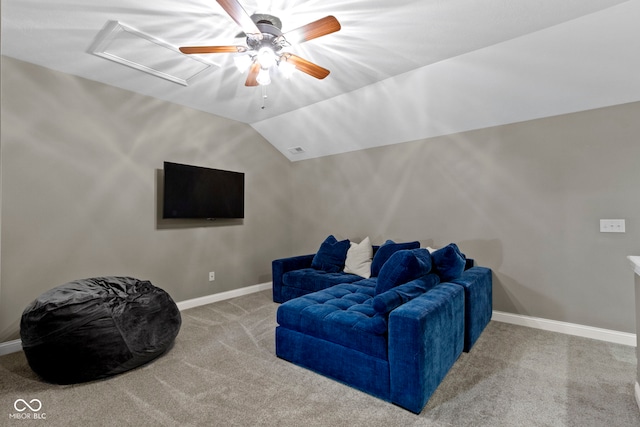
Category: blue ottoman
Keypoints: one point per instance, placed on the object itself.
(94, 328)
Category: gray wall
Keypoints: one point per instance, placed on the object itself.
(80, 164)
(524, 199)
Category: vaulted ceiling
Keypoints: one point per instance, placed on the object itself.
(400, 70)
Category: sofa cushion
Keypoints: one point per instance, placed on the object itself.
(331, 255)
(395, 297)
(385, 251)
(359, 258)
(312, 280)
(448, 262)
(402, 267)
(342, 314)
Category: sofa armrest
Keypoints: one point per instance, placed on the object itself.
(283, 265)
(426, 336)
(478, 289)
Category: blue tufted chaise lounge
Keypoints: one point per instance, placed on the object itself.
(396, 334)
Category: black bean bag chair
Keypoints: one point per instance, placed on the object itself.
(94, 328)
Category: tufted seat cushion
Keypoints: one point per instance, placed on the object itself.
(312, 280)
(342, 314)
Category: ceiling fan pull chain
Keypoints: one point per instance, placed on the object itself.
(264, 96)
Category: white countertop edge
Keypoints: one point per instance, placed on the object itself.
(635, 262)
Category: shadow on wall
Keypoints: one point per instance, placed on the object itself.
(11, 332)
(509, 295)
(486, 253)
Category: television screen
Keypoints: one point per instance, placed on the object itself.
(197, 192)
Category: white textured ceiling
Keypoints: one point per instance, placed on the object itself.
(400, 70)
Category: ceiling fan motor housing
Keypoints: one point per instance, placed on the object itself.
(271, 37)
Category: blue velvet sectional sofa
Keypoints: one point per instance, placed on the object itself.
(394, 334)
(300, 275)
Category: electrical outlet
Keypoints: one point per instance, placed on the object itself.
(612, 226)
(212, 276)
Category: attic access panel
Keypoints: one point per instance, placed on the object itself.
(127, 46)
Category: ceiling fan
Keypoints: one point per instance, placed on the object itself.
(265, 44)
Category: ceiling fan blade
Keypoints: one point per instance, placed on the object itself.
(252, 78)
(307, 67)
(242, 18)
(321, 27)
(212, 49)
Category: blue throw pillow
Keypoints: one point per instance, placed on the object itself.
(385, 251)
(331, 255)
(395, 297)
(448, 262)
(402, 267)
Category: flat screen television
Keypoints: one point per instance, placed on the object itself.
(198, 192)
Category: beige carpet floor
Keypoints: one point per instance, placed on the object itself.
(222, 371)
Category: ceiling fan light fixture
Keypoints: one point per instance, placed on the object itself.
(263, 78)
(266, 57)
(286, 68)
(243, 62)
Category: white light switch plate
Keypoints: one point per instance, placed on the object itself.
(612, 226)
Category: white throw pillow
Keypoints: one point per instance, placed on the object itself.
(359, 258)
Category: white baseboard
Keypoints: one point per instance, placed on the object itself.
(10, 347)
(16, 345)
(567, 328)
(209, 299)
(515, 319)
